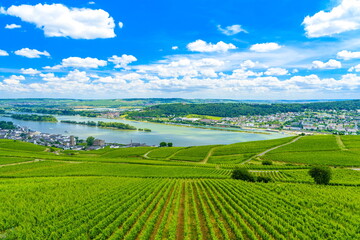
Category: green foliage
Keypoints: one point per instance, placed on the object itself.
(266, 162)
(263, 179)
(116, 125)
(238, 109)
(90, 141)
(169, 144)
(34, 117)
(321, 175)
(242, 174)
(6, 125)
(162, 153)
(162, 144)
(194, 154)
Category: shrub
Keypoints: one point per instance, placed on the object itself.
(267, 162)
(321, 175)
(263, 179)
(242, 174)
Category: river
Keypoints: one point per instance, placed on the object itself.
(179, 136)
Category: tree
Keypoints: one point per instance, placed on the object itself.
(321, 175)
(170, 144)
(163, 144)
(90, 141)
(242, 174)
(267, 162)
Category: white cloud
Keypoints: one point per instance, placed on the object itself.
(14, 80)
(91, 3)
(12, 26)
(78, 62)
(276, 71)
(174, 47)
(249, 64)
(231, 30)
(121, 24)
(355, 68)
(31, 53)
(342, 18)
(331, 64)
(202, 46)
(347, 55)
(30, 71)
(57, 20)
(123, 61)
(265, 47)
(3, 53)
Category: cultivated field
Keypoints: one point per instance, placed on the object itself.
(181, 193)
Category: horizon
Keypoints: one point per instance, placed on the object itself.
(233, 50)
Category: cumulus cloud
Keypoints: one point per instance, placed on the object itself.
(31, 53)
(231, 30)
(123, 61)
(3, 53)
(202, 46)
(78, 62)
(174, 47)
(121, 24)
(249, 64)
(265, 47)
(355, 68)
(347, 55)
(342, 18)
(30, 71)
(331, 64)
(12, 26)
(57, 20)
(14, 80)
(276, 72)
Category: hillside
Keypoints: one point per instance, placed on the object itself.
(238, 109)
(181, 192)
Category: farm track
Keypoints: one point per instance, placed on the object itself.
(206, 159)
(146, 154)
(269, 150)
(19, 163)
(340, 143)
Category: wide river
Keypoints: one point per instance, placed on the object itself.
(179, 136)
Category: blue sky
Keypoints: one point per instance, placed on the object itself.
(240, 49)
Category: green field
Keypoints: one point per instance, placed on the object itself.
(180, 193)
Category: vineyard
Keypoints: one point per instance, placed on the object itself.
(181, 193)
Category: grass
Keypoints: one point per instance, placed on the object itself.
(249, 147)
(163, 152)
(194, 154)
(318, 150)
(204, 117)
(127, 152)
(311, 144)
(51, 169)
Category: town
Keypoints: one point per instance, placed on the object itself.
(331, 122)
(59, 141)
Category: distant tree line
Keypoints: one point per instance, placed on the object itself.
(34, 117)
(7, 125)
(116, 125)
(68, 112)
(239, 109)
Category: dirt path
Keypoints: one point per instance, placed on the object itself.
(206, 159)
(269, 150)
(340, 143)
(18, 163)
(146, 154)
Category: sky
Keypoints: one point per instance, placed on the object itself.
(229, 49)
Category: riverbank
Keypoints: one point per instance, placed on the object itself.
(256, 131)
